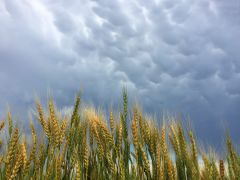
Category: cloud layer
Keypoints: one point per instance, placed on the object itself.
(178, 56)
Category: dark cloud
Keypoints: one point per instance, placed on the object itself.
(177, 56)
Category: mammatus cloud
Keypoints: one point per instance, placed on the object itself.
(179, 56)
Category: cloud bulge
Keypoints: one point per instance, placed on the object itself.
(179, 56)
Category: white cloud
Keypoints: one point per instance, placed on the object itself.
(176, 55)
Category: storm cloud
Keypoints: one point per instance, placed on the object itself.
(177, 56)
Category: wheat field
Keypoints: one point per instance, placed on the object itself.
(127, 145)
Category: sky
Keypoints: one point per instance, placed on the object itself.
(178, 56)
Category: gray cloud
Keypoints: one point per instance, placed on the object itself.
(180, 56)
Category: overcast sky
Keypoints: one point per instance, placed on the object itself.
(180, 56)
